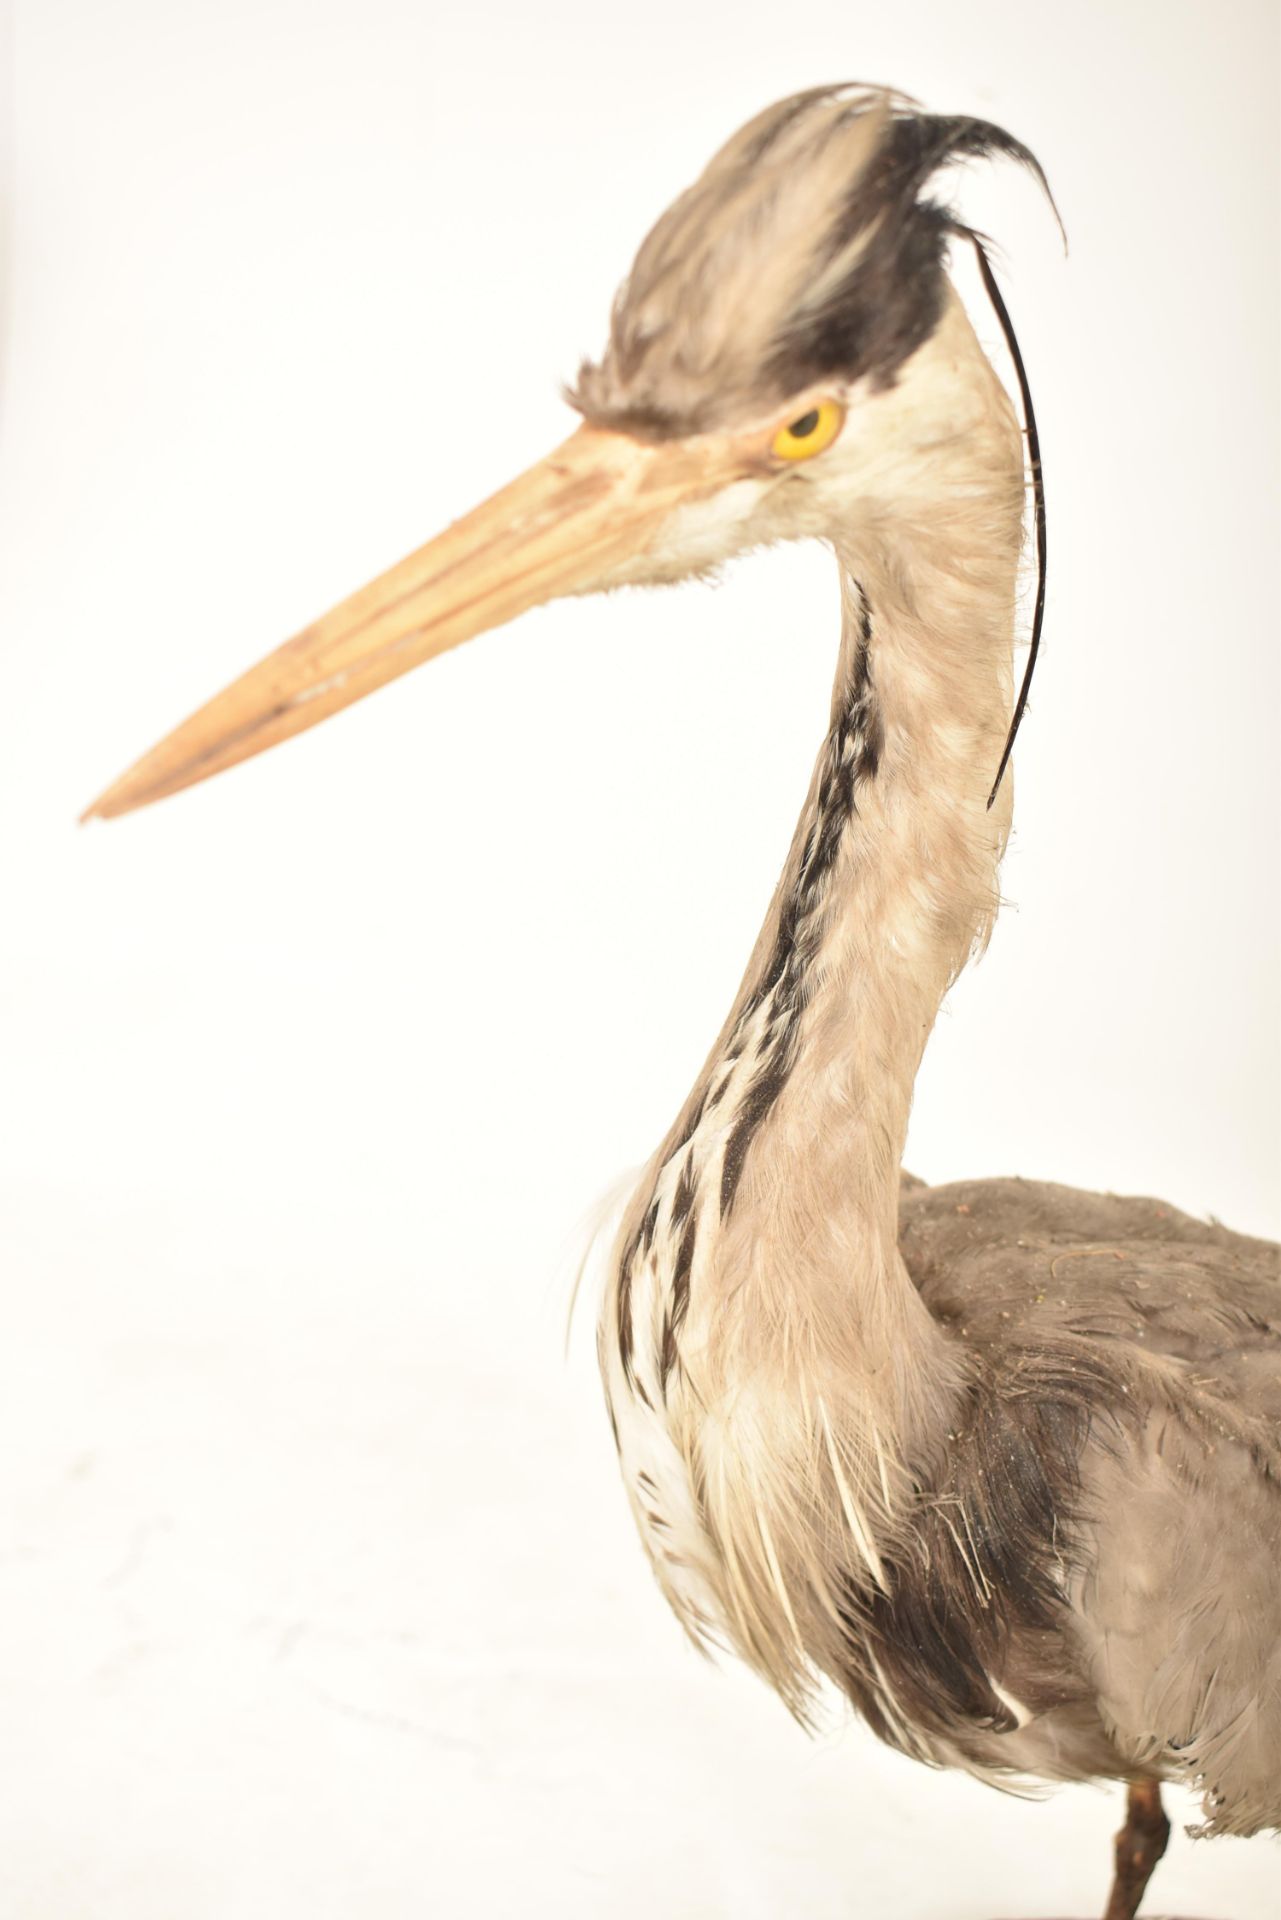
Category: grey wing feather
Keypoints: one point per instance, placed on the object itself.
(1176, 1603)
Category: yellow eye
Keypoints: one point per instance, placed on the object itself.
(811, 434)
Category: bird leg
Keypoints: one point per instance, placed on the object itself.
(1139, 1845)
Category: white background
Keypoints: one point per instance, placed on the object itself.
(318, 1594)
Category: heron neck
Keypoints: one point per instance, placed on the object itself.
(890, 886)
(775, 1196)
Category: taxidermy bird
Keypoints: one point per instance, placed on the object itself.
(999, 1460)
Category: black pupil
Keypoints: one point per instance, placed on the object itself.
(802, 429)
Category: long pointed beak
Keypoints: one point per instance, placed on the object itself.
(567, 525)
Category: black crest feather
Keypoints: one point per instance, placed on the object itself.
(891, 299)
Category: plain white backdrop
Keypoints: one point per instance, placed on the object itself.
(318, 1593)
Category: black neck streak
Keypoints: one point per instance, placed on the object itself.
(851, 755)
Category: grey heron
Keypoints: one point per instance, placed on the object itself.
(1000, 1460)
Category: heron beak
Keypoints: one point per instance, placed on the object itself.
(567, 525)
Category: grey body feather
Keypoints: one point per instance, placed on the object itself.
(1157, 1664)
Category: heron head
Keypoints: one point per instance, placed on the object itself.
(784, 347)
